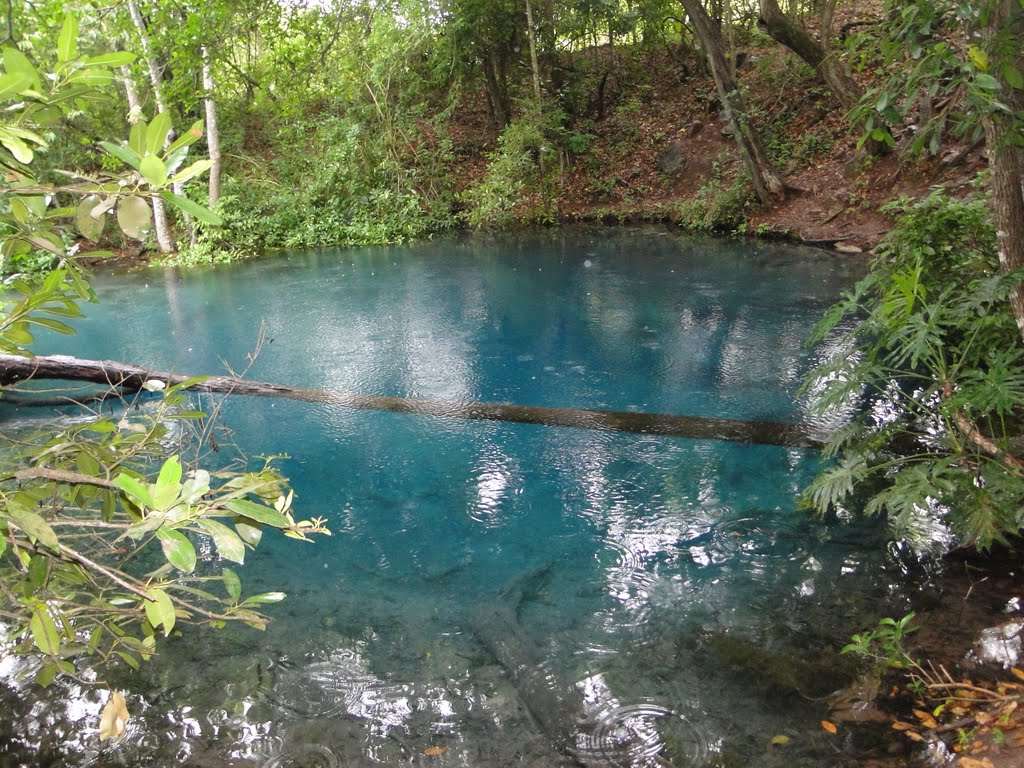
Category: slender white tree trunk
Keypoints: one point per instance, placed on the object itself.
(212, 131)
(164, 238)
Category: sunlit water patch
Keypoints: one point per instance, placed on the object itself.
(500, 593)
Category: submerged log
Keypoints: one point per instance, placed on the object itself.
(14, 369)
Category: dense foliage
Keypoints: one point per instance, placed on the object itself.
(938, 360)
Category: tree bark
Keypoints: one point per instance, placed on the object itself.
(532, 38)
(14, 369)
(792, 35)
(767, 184)
(1006, 158)
(164, 237)
(212, 130)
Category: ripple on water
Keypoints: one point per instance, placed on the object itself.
(324, 688)
(302, 756)
(640, 735)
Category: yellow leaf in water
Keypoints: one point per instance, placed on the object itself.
(914, 736)
(434, 751)
(1018, 673)
(114, 717)
(780, 740)
(830, 727)
(899, 725)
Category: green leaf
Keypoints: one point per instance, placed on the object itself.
(156, 133)
(19, 511)
(229, 545)
(154, 171)
(135, 488)
(134, 216)
(194, 209)
(249, 531)
(91, 77)
(170, 473)
(266, 597)
(258, 512)
(54, 325)
(198, 167)
(978, 56)
(1013, 77)
(44, 631)
(22, 152)
(116, 59)
(160, 610)
(16, 62)
(90, 226)
(137, 138)
(177, 549)
(67, 41)
(232, 584)
(123, 153)
(191, 136)
(13, 82)
(986, 82)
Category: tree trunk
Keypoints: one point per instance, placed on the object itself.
(767, 184)
(14, 369)
(212, 131)
(497, 93)
(164, 238)
(534, 63)
(1006, 158)
(787, 32)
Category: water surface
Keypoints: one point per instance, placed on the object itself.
(500, 594)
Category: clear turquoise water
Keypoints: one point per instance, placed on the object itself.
(661, 598)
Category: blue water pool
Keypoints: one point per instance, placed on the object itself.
(498, 593)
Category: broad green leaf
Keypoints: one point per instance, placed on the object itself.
(160, 610)
(44, 631)
(198, 167)
(232, 584)
(177, 549)
(986, 82)
(170, 473)
(135, 488)
(116, 59)
(13, 82)
(67, 41)
(156, 132)
(1013, 77)
(229, 545)
(16, 62)
(90, 226)
(137, 138)
(191, 136)
(978, 56)
(19, 511)
(194, 209)
(258, 512)
(249, 531)
(122, 153)
(134, 216)
(154, 171)
(92, 77)
(22, 152)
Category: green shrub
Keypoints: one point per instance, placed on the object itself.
(927, 346)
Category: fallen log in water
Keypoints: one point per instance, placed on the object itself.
(14, 369)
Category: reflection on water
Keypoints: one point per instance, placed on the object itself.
(500, 594)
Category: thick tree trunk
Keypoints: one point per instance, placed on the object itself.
(497, 93)
(122, 376)
(164, 238)
(212, 130)
(1006, 158)
(767, 184)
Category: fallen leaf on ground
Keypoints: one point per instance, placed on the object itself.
(830, 727)
(434, 751)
